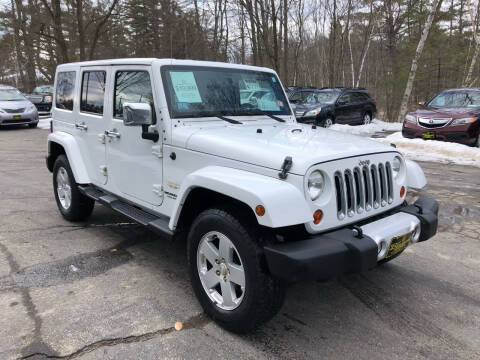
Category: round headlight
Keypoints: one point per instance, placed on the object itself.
(396, 165)
(316, 184)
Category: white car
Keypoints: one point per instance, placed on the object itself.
(260, 199)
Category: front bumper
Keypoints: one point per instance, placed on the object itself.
(350, 250)
(19, 119)
(462, 134)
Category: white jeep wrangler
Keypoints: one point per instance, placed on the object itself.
(211, 153)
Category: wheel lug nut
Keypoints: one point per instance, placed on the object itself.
(218, 272)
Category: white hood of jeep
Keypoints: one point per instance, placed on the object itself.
(269, 148)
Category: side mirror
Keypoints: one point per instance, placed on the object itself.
(135, 114)
(421, 103)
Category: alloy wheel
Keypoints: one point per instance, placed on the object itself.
(221, 270)
(367, 119)
(327, 123)
(64, 189)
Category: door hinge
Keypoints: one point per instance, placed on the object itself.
(101, 138)
(158, 190)
(103, 170)
(157, 151)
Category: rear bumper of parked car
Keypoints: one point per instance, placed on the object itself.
(462, 134)
(25, 118)
(348, 250)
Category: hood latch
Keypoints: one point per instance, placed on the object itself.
(286, 166)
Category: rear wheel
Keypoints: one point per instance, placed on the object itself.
(228, 273)
(73, 205)
(367, 118)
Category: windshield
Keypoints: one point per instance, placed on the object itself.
(43, 89)
(193, 91)
(10, 95)
(456, 99)
(322, 97)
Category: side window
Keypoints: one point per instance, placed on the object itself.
(131, 86)
(345, 98)
(93, 92)
(65, 90)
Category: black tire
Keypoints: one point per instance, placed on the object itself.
(33, 125)
(263, 296)
(81, 206)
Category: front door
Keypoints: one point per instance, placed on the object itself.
(344, 109)
(92, 120)
(134, 164)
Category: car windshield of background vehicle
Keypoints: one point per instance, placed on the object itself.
(322, 98)
(456, 99)
(43, 89)
(11, 95)
(203, 92)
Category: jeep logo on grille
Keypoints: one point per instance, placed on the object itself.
(364, 162)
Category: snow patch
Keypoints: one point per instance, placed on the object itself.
(377, 126)
(434, 150)
(44, 123)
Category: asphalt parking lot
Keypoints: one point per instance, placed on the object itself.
(109, 289)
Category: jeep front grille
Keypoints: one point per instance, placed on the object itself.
(363, 189)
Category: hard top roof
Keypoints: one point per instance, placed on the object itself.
(152, 61)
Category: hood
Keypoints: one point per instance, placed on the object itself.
(308, 107)
(269, 148)
(446, 112)
(14, 105)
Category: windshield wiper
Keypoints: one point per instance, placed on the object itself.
(208, 114)
(260, 112)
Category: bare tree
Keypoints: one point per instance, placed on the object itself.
(413, 70)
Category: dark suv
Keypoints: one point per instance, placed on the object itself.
(327, 106)
(42, 97)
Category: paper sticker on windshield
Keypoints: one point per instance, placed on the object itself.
(185, 87)
(251, 84)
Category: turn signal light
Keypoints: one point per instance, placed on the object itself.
(260, 210)
(317, 216)
(402, 191)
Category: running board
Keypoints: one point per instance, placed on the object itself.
(154, 223)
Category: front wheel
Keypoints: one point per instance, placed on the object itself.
(228, 273)
(327, 122)
(73, 205)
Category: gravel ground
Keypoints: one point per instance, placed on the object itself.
(109, 289)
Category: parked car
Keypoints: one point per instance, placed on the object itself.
(42, 97)
(328, 106)
(452, 115)
(16, 109)
(260, 200)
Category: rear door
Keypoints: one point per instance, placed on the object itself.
(134, 164)
(91, 120)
